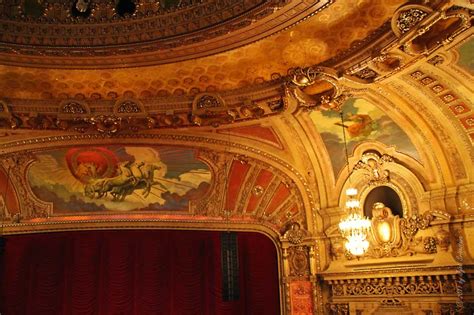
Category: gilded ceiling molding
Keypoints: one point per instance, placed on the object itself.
(303, 160)
(420, 31)
(423, 31)
(316, 88)
(445, 81)
(130, 115)
(106, 39)
(460, 109)
(317, 159)
(448, 162)
(457, 110)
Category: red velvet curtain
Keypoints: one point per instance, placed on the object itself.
(134, 272)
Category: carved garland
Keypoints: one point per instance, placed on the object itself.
(397, 286)
(129, 115)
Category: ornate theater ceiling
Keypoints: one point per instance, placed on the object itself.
(225, 114)
(267, 52)
(259, 82)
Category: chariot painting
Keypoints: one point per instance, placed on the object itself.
(119, 178)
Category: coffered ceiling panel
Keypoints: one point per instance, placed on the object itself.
(333, 30)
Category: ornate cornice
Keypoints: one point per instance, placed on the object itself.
(124, 115)
(150, 36)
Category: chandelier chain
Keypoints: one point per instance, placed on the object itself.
(341, 113)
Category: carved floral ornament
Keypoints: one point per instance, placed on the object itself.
(399, 286)
(316, 87)
(7, 117)
(127, 115)
(210, 109)
(295, 234)
(410, 17)
(374, 167)
(73, 107)
(421, 30)
(392, 236)
(128, 107)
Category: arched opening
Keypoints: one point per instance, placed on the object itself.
(385, 195)
(135, 272)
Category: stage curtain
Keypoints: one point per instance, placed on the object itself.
(134, 272)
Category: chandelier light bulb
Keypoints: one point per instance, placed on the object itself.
(352, 203)
(354, 227)
(352, 192)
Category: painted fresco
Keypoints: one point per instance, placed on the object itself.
(120, 178)
(362, 121)
(466, 56)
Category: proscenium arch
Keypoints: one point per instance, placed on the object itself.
(208, 142)
(189, 225)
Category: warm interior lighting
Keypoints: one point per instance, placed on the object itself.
(354, 227)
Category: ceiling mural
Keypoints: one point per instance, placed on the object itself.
(119, 178)
(466, 53)
(362, 121)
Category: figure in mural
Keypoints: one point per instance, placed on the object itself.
(363, 125)
(364, 121)
(131, 176)
(119, 178)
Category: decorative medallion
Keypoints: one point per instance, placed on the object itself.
(409, 18)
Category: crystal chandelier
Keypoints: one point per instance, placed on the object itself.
(354, 227)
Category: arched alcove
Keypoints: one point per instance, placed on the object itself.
(388, 196)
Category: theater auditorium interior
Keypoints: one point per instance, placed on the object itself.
(236, 157)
